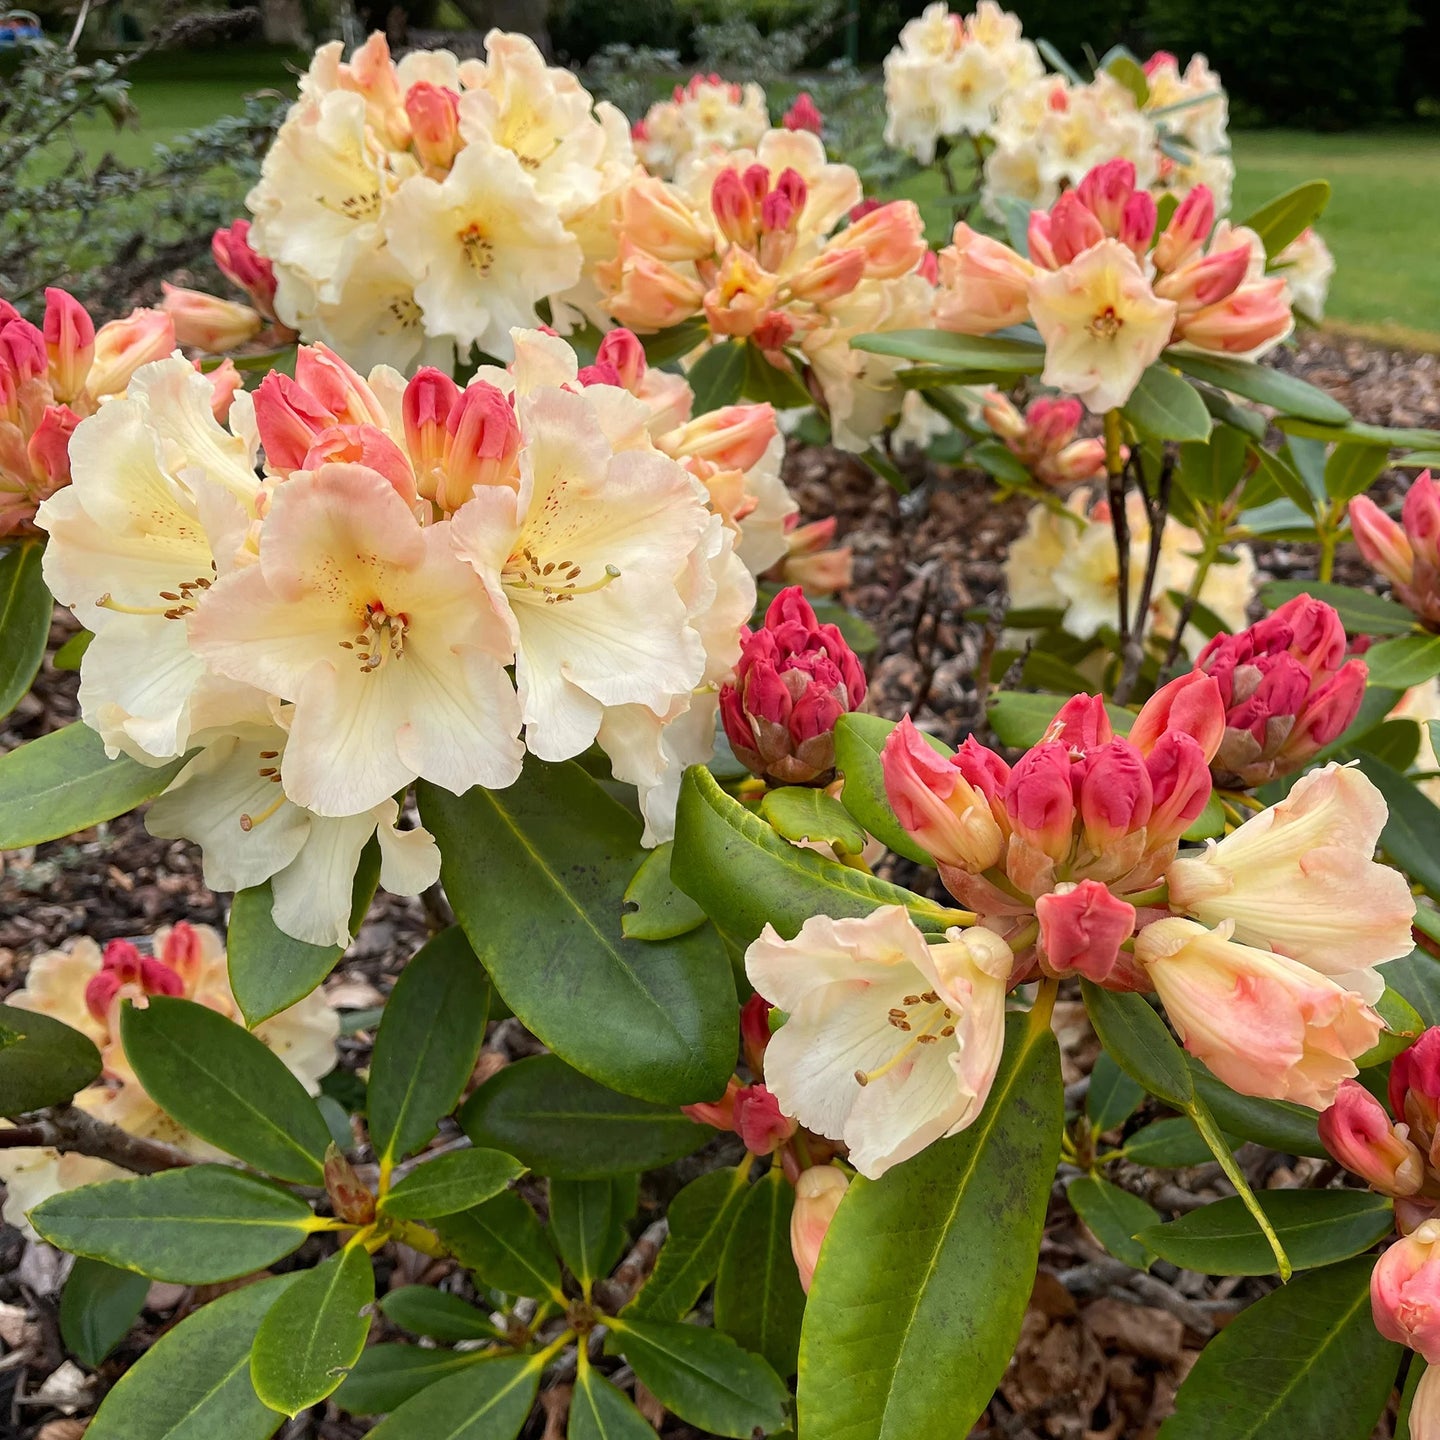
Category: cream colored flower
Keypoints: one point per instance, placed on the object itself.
(1308, 267)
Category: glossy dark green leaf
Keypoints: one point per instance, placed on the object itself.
(662, 909)
(800, 812)
(565, 1125)
(1410, 833)
(598, 1411)
(1163, 406)
(1362, 612)
(1404, 661)
(1277, 1124)
(1114, 1216)
(1138, 1041)
(1209, 471)
(217, 1080)
(270, 970)
(537, 874)
(195, 1226)
(859, 740)
(1113, 1097)
(758, 1300)
(489, 1400)
(703, 1376)
(701, 1218)
(943, 1248)
(1170, 1144)
(386, 1376)
(1262, 384)
(1021, 720)
(193, 1383)
(437, 1315)
(62, 783)
(718, 376)
(1316, 1227)
(587, 1219)
(747, 876)
(97, 1308)
(25, 611)
(452, 1182)
(429, 1038)
(314, 1332)
(1305, 1361)
(505, 1245)
(957, 352)
(1279, 221)
(767, 384)
(678, 341)
(1417, 978)
(42, 1061)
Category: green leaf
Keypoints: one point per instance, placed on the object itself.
(858, 742)
(195, 1226)
(1409, 834)
(703, 1376)
(1114, 1216)
(449, 1183)
(1113, 1097)
(1362, 612)
(72, 652)
(767, 384)
(505, 1245)
(598, 1411)
(314, 1332)
(701, 1218)
(758, 1300)
(662, 910)
(1262, 384)
(1305, 1361)
(943, 1249)
(1316, 1227)
(1166, 407)
(565, 1125)
(193, 1383)
(217, 1080)
(489, 1400)
(437, 1315)
(42, 1061)
(537, 874)
(97, 1308)
(270, 970)
(1170, 1144)
(676, 342)
(1021, 720)
(1279, 221)
(745, 875)
(718, 376)
(1395, 742)
(957, 352)
(386, 1376)
(1277, 1124)
(799, 812)
(25, 611)
(429, 1039)
(1333, 433)
(1128, 72)
(1139, 1043)
(62, 783)
(1352, 467)
(1210, 471)
(1417, 978)
(1275, 475)
(587, 1218)
(997, 459)
(1405, 661)
(1403, 1027)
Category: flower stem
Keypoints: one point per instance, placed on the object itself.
(1119, 520)
(1044, 1005)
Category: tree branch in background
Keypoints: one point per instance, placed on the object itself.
(72, 1131)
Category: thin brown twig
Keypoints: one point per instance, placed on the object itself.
(72, 1131)
(1157, 510)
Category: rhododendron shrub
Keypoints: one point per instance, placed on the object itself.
(529, 624)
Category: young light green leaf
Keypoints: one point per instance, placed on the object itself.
(799, 812)
(63, 782)
(25, 611)
(195, 1226)
(562, 1124)
(449, 1183)
(217, 1080)
(1114, 1216)
(193, 1383)
(488, 1400)
(662, 909)
(437, 1315)
(703, 1376)
(97, 1308)
(42, 1061)
(537, 874)
(587, 1219)
(314, 1332)
(429, 1038)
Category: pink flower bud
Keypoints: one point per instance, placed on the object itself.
(758, 1120)
(1204, 280)
(23, 352)
(363, 445)
(1082, 928)
(1081, 723)
(1181, 782)
(735, 437)
(792, 186)
(718, 1113)
(862, 208)
(338, 388)
(1383, 541)
(735, 208)
(1040, 799)
(225, 379)
(836, 271)
(1420, 514)
(1104, 192)
(891, 238)
(755, 1032)
(1054, 420)
(622, 349)
(123, 346)
(1246, 323)
(288, 418)
(794, 679)
(1190, 703)
(1415, 1092)
(1037, 237)
(1358, 1133)
(484, 444)
(1115, 794)
(809, 564)
(434, 114)
(242, 265)
(1137, 223)
(777, 213)
(48, 450)
(1405, 1292)
(206, 322)
(803, 115)
(1159, 61)
(69, 343)
(938, 807)
(429, 398)
(818, 1193)
(1188, 230)
(127, 974)
(1073, 228)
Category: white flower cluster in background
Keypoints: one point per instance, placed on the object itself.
(704, 115)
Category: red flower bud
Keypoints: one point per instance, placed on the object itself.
(1358, 1133)
(127, 974)
(69, 343)
(622, 349)
(288, 418)
(242, 265)
(758, 1120)
(1081, 932)
(803, 115)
